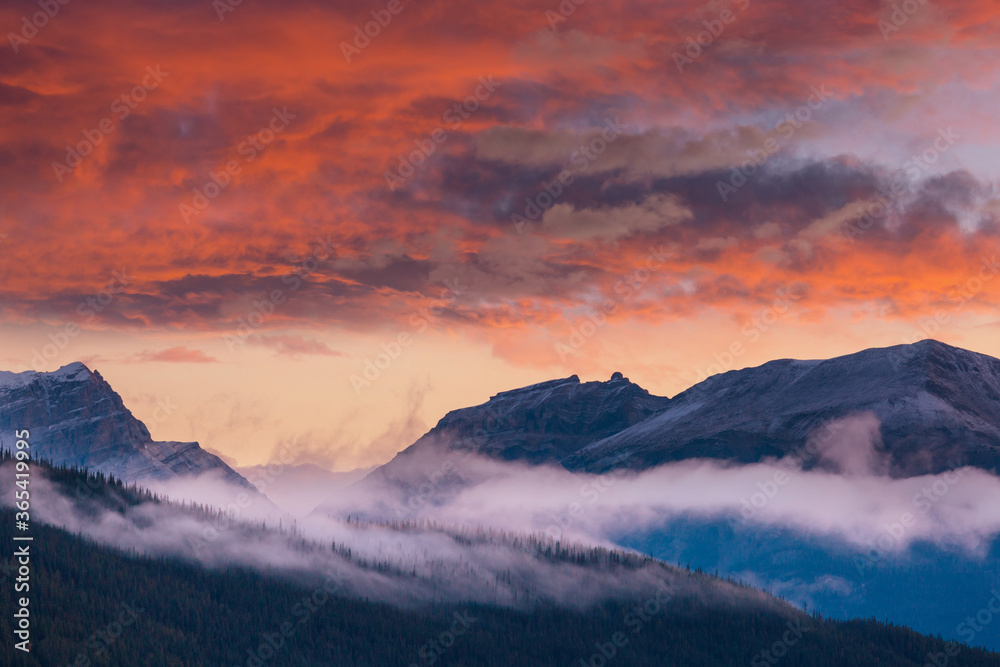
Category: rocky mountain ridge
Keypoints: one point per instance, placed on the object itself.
(75, 418)
(938, 405)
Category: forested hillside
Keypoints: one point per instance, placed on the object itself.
(96, 605)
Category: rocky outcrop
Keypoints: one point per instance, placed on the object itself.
(76, 418)
(938, 406)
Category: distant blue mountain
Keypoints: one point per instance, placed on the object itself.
(928, 588)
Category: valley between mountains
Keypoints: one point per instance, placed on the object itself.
(798, 494)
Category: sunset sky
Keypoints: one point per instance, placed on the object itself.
(488, 194)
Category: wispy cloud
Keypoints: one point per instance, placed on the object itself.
(294, 346)
(173, 355)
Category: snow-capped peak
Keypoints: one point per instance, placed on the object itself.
(9, 380)
(73, 372)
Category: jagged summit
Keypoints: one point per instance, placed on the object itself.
(938, 405)
(73, 372)
(76, 418)
(540, 386)
(541, 423)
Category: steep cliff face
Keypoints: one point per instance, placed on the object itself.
(76, 418)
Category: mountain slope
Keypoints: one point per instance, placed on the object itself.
(203, 620)
(76, 418)
(539, 424)
(544, 423)
(939, 406)
(97, 605)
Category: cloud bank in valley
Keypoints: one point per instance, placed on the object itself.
(834, 485)
(411, 564)
(475, 529)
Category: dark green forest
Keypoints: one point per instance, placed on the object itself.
(93, 605)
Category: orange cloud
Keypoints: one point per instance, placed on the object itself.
(173, 355)
(135, 148)
(294, 346)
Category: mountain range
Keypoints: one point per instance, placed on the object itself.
(938, 406)
(77, 419)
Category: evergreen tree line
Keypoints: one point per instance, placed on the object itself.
(95, 605)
